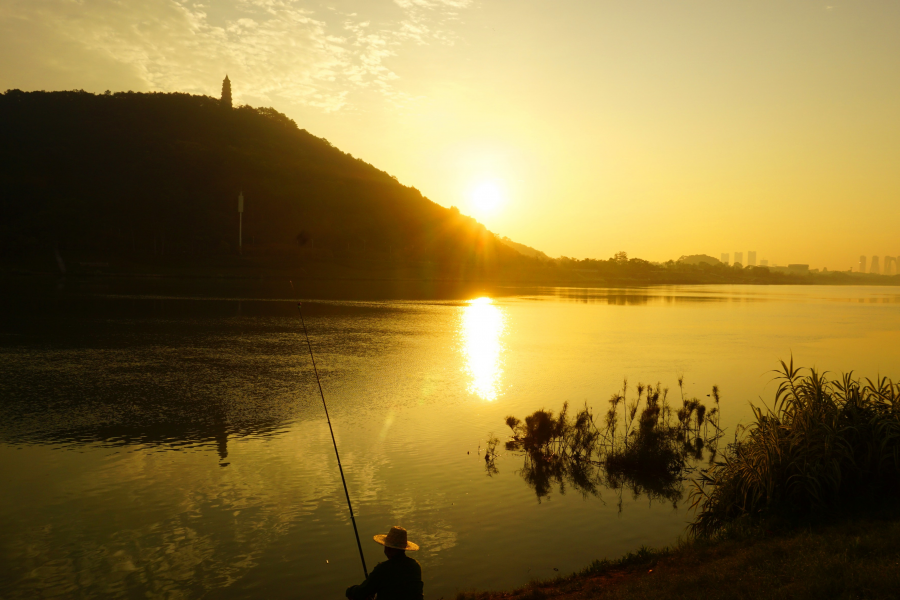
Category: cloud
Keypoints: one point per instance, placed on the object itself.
(428, 19)
(433, 4)
(276, 49)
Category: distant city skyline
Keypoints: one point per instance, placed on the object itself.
(739, 258)
(891, 264)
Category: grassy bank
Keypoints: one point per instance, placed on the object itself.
(858, 558)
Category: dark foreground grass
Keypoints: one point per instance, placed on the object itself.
(828, 445)
(854, 559)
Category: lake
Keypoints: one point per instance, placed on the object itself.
(167, 439)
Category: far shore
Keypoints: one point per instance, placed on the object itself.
(355, 268)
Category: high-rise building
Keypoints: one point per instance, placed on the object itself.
(862, 264)
(874, 268)
(751, 258)
(739, 258)
(725, 258)
(889, 263)
(764, 262)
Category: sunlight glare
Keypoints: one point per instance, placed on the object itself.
(483, 325)
(488, 196)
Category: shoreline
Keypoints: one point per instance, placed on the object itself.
(329, 266)
(850, 558)
(405, 277)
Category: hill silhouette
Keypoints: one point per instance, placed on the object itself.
(158, 174)
(525, 250)
(147, 183)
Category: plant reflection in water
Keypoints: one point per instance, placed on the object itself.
(642, 444)
(490, 455)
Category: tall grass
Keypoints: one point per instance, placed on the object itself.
(826, 444)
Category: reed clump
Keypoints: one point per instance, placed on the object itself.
(827, 444)
(655, 444)
(642, 444)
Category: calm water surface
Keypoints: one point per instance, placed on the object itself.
(164, 440)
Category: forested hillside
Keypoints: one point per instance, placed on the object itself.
(157, 174)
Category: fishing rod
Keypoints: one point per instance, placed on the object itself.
(346, 492)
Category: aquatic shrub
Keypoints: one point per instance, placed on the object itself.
(543, 435)
(826, 444)
(557, 449)
(646, 449)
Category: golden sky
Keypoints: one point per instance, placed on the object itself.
(581, 128)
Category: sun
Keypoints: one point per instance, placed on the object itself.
(488, 196)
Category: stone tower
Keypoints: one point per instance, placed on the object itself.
(226, 92)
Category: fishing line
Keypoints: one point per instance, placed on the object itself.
(346, 492)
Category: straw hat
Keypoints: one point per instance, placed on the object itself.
(396, 538)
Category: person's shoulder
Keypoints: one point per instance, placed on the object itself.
(380, 566)
(411, 561)
(379, 569)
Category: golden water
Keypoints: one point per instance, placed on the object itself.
(171, 442)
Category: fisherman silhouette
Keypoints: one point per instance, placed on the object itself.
(397, 578)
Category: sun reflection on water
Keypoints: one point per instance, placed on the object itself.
(483, 325)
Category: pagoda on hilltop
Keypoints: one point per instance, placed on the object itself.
(226, 92)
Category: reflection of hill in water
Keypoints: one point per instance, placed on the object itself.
(275, 288)
(153, 372)
(163, 433)
(76, 396)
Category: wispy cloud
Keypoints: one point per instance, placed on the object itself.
(428, 20)
(306, 54)
(433, 4)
